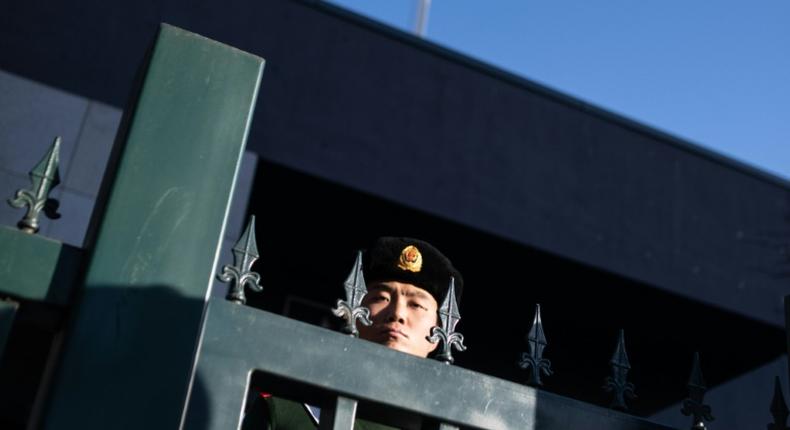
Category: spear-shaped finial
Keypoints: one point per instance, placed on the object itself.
(778, 408)
(533, 358)
(449, 316)
(45, 176)
(694, 405)
(240, 275)
(351, 309)
(618, 382)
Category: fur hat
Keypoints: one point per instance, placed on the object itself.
(411, 261)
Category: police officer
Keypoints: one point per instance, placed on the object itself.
(406, 280)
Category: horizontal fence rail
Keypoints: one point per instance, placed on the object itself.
(300, 358)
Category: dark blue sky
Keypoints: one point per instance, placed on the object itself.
(714, 73)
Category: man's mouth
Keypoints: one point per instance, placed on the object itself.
(393, 332)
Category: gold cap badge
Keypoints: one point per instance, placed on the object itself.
(410, 259)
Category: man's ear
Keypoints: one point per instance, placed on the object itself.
(435, 324)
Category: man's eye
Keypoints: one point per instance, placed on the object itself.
(419, 306)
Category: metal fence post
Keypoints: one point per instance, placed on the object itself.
(129, 350)
(340, 415)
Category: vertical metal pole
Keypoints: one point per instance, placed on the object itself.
(129, 350)
(340, 415)
(421, 18)
(221, 379)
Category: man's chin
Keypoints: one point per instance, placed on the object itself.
(394, 343)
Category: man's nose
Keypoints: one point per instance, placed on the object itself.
(397, 311)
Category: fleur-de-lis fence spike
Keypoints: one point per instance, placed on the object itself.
(45, 176)
(240, 275)
(449, 317)
(533, 358)
(618, 382)
(694, 405)
(351, 309)
(778, 408)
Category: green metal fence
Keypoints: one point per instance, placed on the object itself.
(345, 374)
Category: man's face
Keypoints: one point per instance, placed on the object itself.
(402, 316)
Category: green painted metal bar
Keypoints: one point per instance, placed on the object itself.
(8, 309)
(130, 350)
(305, 362)
(340, 415)
(37, 268)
